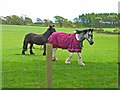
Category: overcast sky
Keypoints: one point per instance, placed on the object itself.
(47, 9)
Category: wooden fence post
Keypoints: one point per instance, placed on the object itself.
(119, 55)
(118, 74)
(49, 65)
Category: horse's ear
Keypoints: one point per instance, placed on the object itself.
(78, 31)
(51, 26)
(91, 29)
(85, 31)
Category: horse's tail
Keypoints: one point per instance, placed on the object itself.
(25, 43)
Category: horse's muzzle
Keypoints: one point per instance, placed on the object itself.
(91, 43)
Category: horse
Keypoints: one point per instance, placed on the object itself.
(38, 39)
(71, 42)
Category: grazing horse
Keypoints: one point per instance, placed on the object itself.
(71, 42)
(39, 39)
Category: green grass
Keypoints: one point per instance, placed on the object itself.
(29, 71)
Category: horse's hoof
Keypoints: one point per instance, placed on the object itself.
(82, 64)
(67, 62)
(44, 54)
(32, 54)
(23, 53)
(55, 59)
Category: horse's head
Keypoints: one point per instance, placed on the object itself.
(85, 34)
(51, 29)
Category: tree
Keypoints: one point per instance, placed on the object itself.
(77, 22)
(118, 19)
(38, 20)
(15, 20)
(2, 20)
(28, 21)
(110, 19)
(97, 22)
(59, 20)
(8, 20)
(47, 22)
(67, 23)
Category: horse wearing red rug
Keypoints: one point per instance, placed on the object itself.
(71, 42)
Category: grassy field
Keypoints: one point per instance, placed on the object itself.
(29, 71)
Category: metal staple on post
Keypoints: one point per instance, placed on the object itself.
(49, 65)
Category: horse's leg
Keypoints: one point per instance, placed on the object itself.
(80, 62)
(25, 43)
(54, 54)
(31, 46)
(44, 53)
(68, 59)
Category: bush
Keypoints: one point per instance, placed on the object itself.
(100, 30)
(116, 30)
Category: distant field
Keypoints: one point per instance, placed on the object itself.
(29, 71)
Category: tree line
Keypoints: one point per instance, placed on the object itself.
(100, 20)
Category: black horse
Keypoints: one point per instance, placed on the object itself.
(39, 39)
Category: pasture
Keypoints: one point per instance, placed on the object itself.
(29, 71)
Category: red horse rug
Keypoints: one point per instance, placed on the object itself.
(65, 41)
